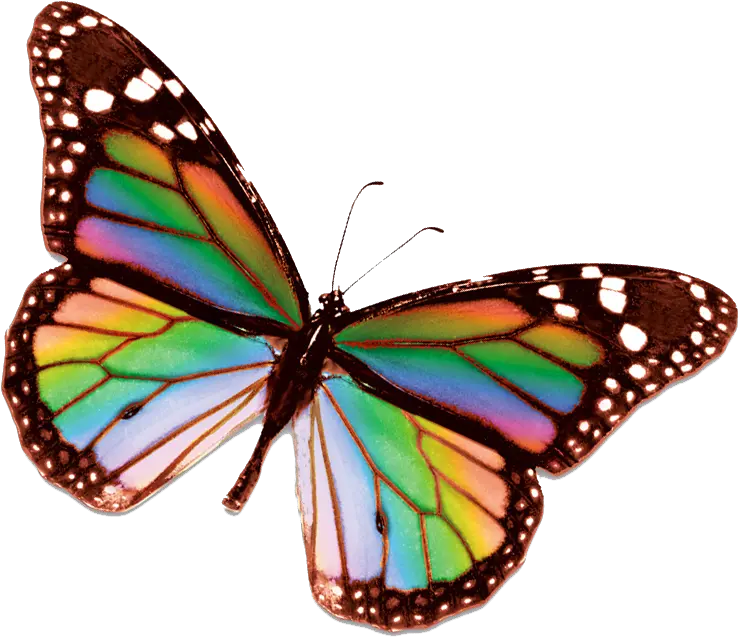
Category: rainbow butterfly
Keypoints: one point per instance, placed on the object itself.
(179, 318)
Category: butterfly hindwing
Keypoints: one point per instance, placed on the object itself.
(115, 393)
(404, 521)
(139, 181)
(544, 363)
(417, 449)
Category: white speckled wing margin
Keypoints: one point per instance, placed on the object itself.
(92, 76)
(114, 393)
(573, 348)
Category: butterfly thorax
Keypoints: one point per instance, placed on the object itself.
(298, 368)
(332, 306)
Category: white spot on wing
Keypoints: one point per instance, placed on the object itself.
(612, 301)
(566, 311)
(591, 272)
(638, 371)
(632, 337)
(551, 291)
(152, 79)
(697, 291)
(187, 129)
(97, 100)
(161, 131)
(70, 120)
(174, 87)
(139, 90)
(613, 283)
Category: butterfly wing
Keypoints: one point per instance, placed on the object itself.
(539, 364)
(140, 185)
(405, 522)
(115, 393)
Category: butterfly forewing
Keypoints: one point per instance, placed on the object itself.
(115, 393)
(416, 451)
(139, 180)
(404, 521)
(545, 362)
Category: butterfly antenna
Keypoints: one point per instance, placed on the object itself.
(405, 243)
(346, 225)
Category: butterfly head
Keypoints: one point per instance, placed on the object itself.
(332, 305)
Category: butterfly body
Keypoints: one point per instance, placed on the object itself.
(298, 368)
(179, 319)
(291, 386)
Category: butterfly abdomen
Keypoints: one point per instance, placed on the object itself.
(290, 388)
(297, 372)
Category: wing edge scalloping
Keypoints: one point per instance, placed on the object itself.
(40, 439)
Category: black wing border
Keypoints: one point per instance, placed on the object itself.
(223, 160)
(571, 445)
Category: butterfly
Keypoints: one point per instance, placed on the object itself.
(179, 318)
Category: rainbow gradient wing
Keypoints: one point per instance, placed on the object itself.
(539, 364)
(416, 458)
(115, 393)
(140, 354)
(417, 451)
(140, 185)
(405, 522)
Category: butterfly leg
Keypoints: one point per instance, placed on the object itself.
(247, 480)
